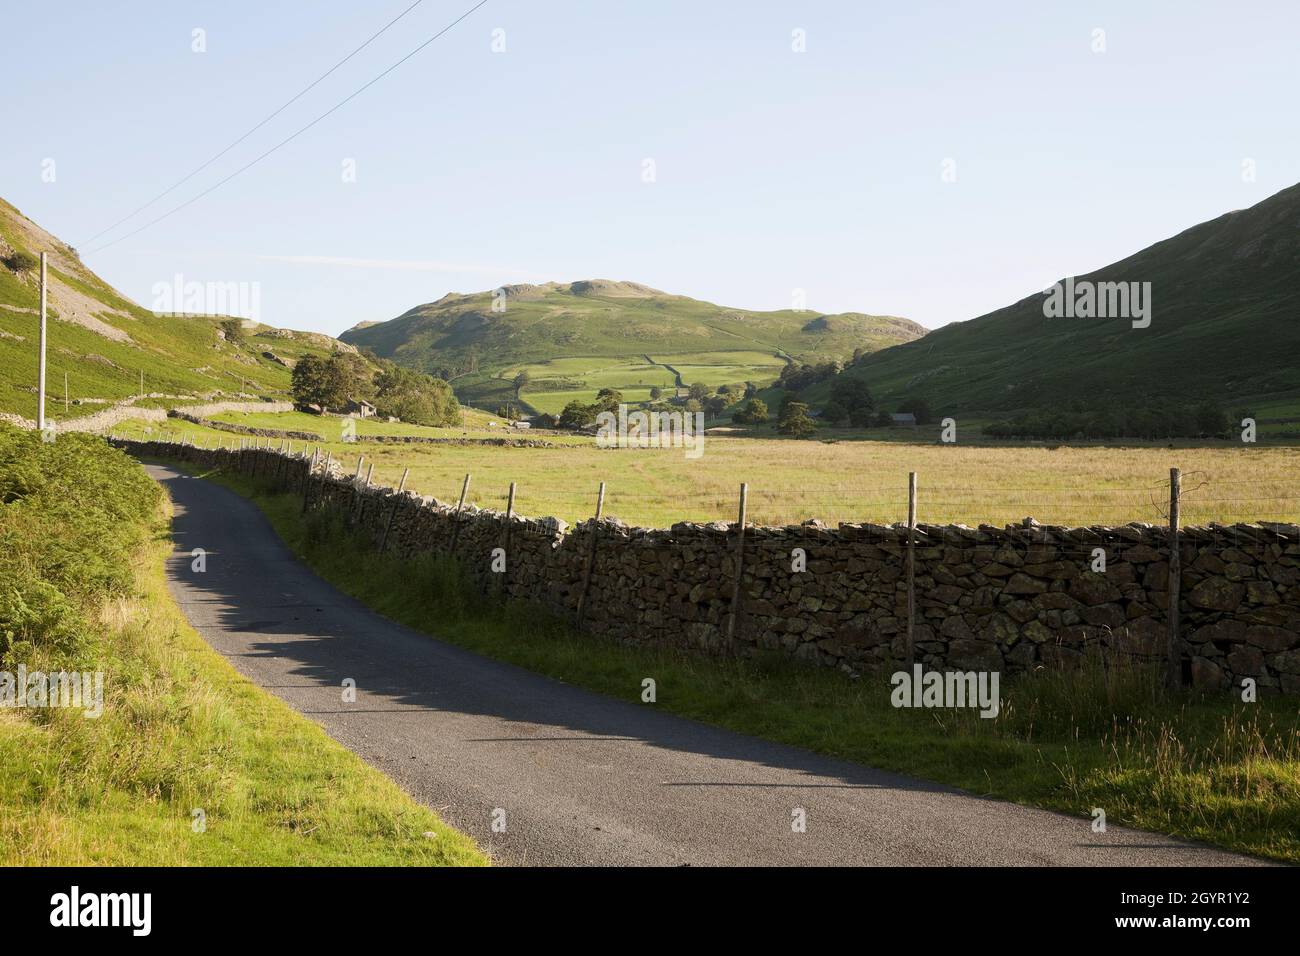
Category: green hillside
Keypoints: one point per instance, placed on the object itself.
(103, 341)
(578, 337)
(1225, 299)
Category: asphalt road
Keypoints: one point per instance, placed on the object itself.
(576, 777)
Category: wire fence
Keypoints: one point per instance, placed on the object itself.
(1206, 500)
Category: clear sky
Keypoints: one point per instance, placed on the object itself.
(775, 170)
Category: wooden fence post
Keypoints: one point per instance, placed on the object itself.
(510, 516)
(1174, 675)
(911, 567)
(306, 485)
(359, 496)
(455, 528)
(393, 514)
(325, 473)
(740, 561)
(591, 555)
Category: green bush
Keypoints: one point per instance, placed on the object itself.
(73, 514)
(21, 262)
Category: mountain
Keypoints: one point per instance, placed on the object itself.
(1224, 327)
(102, 340)
(575, 337)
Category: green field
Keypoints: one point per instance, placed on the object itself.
(330, 427)
(462, 338)
(584, 377)
(848, 480)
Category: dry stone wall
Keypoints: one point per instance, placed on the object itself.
(987, 598)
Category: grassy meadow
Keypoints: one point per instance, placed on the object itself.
(848, 480)
(544, 327)
(330, 427)
(556, 382)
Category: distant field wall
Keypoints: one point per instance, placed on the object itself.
(998, 599)
(126, 411)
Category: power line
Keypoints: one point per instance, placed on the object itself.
(268, 119)
(291, 137)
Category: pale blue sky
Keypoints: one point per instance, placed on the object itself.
(775, 170)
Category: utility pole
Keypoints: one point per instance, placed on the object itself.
(40, 385)
(65, 394)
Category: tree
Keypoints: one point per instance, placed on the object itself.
(1211, 420)
(699, 392)
(578, 415)
(358, 373)
(754, 413)
(522, 379)
(794, 420)
(414, 396)
(918, 407)
(854, 395)
(319, 381)
(883, 419)
(656, 393)
(331, 382)
(717, 404)
(835, 414)
(233, 329)
(609, 399)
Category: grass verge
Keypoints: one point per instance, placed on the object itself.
(189, 763)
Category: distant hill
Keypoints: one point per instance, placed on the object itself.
(103, 340)
(573, 335)
(1225, 327)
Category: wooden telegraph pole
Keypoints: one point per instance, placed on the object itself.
(40, 383)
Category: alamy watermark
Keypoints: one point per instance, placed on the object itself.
(75, 908)
(178, 297)
(946, 689)
(642, 429)
(83, 690)
(1084, 299)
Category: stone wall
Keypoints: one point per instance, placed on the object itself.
(126, 411)
(987, 598)
(186, 416)
(504, 442)
(216, 408)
